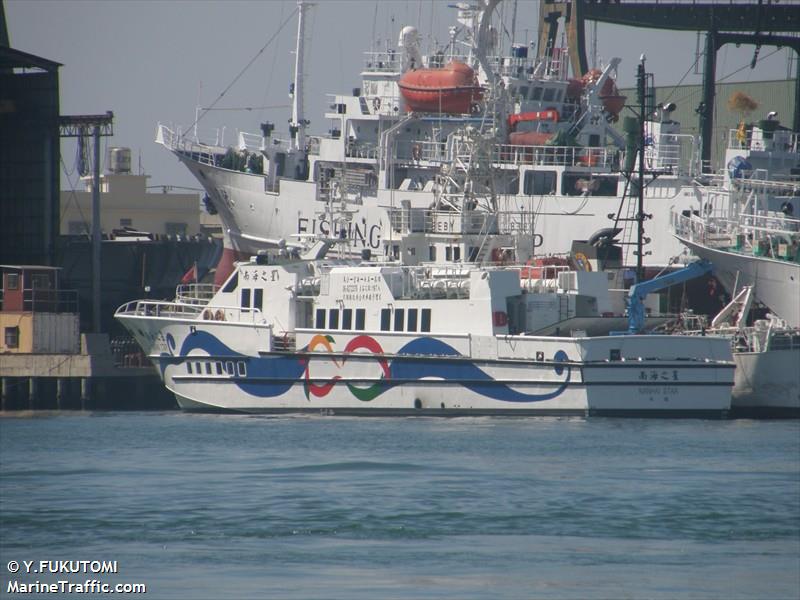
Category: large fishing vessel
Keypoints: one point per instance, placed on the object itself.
(750, 230)
(376, 338)
(557, 166)
(749, 226)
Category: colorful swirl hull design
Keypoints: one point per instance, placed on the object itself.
(422, 358)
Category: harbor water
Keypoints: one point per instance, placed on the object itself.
(215, 506)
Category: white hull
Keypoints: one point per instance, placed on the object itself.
(776, 283)
(767, 382)
(221, 366)
(256, 219)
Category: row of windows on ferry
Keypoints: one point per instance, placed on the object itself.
(217, 368)
(399, 319)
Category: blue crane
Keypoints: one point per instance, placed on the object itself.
(639, 292)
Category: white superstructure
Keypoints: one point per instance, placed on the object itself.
(554, 159)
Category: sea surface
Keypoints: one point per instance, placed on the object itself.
(210, 506)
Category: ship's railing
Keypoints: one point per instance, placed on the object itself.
(759, 183)
(566, 156)
(422, 150)
(250, 141)
(677, 154)
(758, 139)
(176, 141)
(195, 293)
(440, 152)
(385, 61)
(355, 149)
(554, 67)
(180, 310)
(759, 235)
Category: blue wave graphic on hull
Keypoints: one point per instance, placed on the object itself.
(479, 381)
(415, 365)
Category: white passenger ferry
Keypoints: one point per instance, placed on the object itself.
(384, 339)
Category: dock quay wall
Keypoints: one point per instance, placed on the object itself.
(90, 380)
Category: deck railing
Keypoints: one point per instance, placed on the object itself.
(195, 293)
(195, 312)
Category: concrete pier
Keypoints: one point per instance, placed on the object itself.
(87, 381)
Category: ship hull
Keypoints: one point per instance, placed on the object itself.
(776, 283)
(767, 384)
(212, 366)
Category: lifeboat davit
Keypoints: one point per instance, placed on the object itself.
(613, 101)
(451, 89)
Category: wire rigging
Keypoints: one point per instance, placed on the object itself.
(246, 67)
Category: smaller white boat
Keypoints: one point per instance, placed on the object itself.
(767, 357)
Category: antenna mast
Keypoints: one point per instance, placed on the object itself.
(298, 124)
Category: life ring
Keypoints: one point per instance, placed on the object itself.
(416, 151)
(376, 103)
(582, 262)
(207, 315)
(219, 315)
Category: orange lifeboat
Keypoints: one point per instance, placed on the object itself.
(529, 138)
(613, 102)
(451, 89)
(547, 267)
(537, 115)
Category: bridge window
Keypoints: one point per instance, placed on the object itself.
(241, 369)
(229, 367)
(347, 318)
(399, 319)
(333, 318)
(208, 368)
(232, 283)
(360, 319)
(412, 319)
(537, 93)
(258, 298)
(189, 368)
(245, 303)
(385, 319)
(549, 94)
(539, 183)
(319, 321)
(425, 324)
(219, 368)
(580, 185)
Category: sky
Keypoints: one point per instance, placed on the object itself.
(152, 61)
